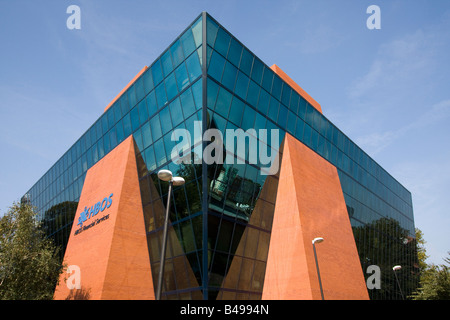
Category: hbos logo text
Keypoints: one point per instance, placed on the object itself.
(94, 210)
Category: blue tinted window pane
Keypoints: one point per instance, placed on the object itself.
(219, 123)
(166, 123)
(253, 93)
(105, 125)
(193, 66)
(155, 127)
(98, 129)
(197, 93)
(177, 53)
(175, 112)
(132, 96)
(307, 134)
(208, 55)
(267, 79)
(134, 118)
(248, 120)
(143, 111)
(182, 77)
(211, 31)
(89, 157)
(222, 42)
(169, 145)
(293, 104)
(171, 86)
(148, 81)
(246, 61)
(241, 85)
(282, 116)
(302, 108)
(286, 95)
(93, 135)
(236, 111)
(166, 61)
(299, 129)
(113, 138)
(119, 132)
(160, 152)
(140, 92)
(111, 120)
(187, 40)
(257, 71)
(276, 87)
(149, 156)
(151, 103)
(187, 103)
(235, 51)
(309, 118)
(317, 121)
(157, 72)
(146, 136)
(117, 111)
(292, 118)
(212, 90)
(101, 150)
(260, 122)
(216, 66)
(197, 32)
(229, 76)
(223, 102)
(273, 108)
(127, 125)
(138, 138)
(314, 140)
(124, 105)
(263, 102)
(161, 97)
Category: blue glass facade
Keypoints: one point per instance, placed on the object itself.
(208, 79)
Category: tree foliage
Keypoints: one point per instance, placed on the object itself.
(29, 261)
(434, 279)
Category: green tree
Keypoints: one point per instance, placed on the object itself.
(29, 262)
(434, 281)
(421, 251)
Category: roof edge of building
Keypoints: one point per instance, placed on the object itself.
(126, 87)
(296, 87)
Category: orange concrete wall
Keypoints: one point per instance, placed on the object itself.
(113, 254)
(296, 87)
(310, 204)
(126, 87)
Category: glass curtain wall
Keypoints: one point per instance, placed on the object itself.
(245, 93)
(167, 96)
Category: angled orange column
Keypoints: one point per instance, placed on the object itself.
(108, 241)
(310, 204)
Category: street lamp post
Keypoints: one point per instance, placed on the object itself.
(166, 175)
(318, 240)
(395, 268)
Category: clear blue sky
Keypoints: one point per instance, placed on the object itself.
(387, 89)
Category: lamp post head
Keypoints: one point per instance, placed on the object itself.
(178, 181)
(165, 175)
(395, 268)
(317, 240)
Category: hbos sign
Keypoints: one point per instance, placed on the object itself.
(100, 206)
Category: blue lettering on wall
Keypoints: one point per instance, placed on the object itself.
(88, 213)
